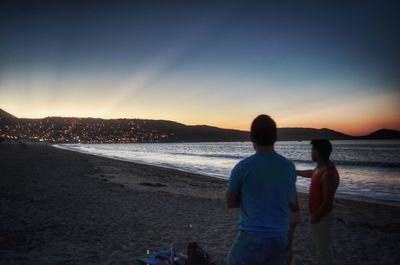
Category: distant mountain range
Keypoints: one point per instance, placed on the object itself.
(91, 130)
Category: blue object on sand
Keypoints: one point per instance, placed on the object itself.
(158, 258)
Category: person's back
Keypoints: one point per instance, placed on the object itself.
(266, 184)
(262, 186)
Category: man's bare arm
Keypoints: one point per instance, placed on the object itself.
(232, 199)
(304, 173)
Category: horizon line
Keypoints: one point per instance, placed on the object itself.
(144, 119)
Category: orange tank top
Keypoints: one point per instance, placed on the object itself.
(316, 189)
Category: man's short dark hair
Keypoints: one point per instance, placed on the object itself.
(323, 146)
(263, 130)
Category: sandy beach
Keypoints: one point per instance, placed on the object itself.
(63, 207)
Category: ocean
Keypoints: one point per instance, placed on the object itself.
(369, 170)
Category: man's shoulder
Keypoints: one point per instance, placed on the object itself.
(242, 166)
(331, 170)
(246, 161)
(275, 159)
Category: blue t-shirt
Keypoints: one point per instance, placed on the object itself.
(266, 183)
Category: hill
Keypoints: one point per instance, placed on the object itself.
(306, 134)
(6, 116)
(382, 134)
(94, 130)
(204, 133)
(196, 133)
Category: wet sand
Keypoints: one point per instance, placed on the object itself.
(63, 207)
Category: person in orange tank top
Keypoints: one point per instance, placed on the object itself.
(324, 183)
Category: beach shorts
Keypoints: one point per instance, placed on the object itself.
(251, 249)
(322, 236)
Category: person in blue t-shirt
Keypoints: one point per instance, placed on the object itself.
(262, 186)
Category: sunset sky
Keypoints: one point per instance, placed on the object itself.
(218, 63)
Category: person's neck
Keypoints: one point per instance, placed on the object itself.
(264, 149)
(321, 163)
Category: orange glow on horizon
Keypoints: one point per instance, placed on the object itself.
(360, 130)
(198, 104)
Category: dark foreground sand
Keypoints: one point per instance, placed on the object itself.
(62, 207)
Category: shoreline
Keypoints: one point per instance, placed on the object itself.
(61, 206)
(357, 198)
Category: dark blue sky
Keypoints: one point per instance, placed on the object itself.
(193, 48)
